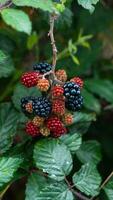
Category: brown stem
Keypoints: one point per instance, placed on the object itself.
(78, 194)
(53, 17)
(107, 179)
(104, 183)
(6, 5)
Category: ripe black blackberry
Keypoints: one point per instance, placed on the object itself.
(42, 107)
(42, 67)
(71, 90)
(25, 101)
(75, 103)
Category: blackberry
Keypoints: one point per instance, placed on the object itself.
(42, 107)
(71, 90)
(25, 101)
(74, 104)
(42, 67)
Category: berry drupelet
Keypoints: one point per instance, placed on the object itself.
(42, 107)
(42, 67)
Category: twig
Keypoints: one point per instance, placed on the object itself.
(104, 183)
(6, 5)
(53, 17)
(79, 195)
(106, 180)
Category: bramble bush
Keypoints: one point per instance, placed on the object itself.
(55, 159)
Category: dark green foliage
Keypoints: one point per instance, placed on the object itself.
(83, 157)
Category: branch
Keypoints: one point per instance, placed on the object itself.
(78, 194)
(53, 17)
(104, 183)
(6, 5)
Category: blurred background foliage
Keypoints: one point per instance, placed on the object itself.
(85, 49)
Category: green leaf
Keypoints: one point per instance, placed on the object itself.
(8, 166)
(87, 179)
(81, 122)
(44, 5)
(89, 152)
(17, 19)
(40, 188)
(103, 88)
(6, 65)
(53, 158)
(88, 4)
(72, 141)
(108, 189)
(90, 102)
(8, 125)
(21, 91)
(32, 41)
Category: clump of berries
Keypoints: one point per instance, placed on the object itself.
(50, 113)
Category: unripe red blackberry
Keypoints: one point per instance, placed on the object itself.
(58, 107)
(56, 127)
(59, 132)
(28, 107)
(57, 91)
(45, 131)
(61, 75)
(30, 79)
(78, 81)
(43, 85)
(38, 121)
(68, 119)
(31, 129)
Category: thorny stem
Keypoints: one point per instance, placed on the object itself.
(53, 17)
(6, 5)
(79, 195)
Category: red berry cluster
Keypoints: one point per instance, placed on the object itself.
(59, 97)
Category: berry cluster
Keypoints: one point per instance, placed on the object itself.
(51, 113)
